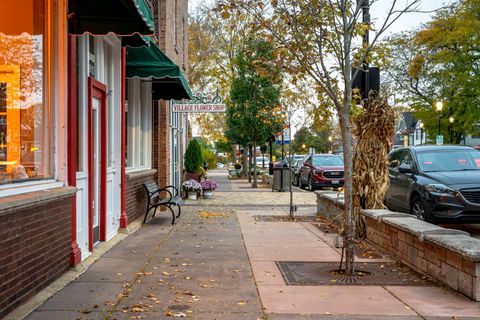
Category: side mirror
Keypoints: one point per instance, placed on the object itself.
(405, 168)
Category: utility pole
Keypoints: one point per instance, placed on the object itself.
(366, 40)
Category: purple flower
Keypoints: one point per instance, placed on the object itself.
(208, 185)
(191, 185)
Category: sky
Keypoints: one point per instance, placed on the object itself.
(378, 11)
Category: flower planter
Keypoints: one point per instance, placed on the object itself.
(207, 194)
(192, 195)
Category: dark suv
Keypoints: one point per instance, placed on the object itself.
(322, 170)
(435, 183)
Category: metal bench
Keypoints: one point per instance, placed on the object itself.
(156, 197)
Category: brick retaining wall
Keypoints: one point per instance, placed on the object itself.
(449, 256)
(35, 241)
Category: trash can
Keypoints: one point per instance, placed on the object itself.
(281, 179)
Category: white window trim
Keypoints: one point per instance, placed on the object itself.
(140, 103)
(12, 189)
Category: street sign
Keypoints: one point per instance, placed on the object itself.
(439, 139)
(286, 136)
(200, 104)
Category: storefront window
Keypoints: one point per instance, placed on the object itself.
(138, 125)
(24, 114)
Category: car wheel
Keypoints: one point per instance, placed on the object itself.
(417, 208)
(310, 185)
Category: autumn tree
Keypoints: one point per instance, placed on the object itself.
(213, 44)
(318, 39)
(440, 62)
(255, 96)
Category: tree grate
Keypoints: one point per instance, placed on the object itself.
(301, 273)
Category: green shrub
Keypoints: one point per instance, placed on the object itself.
(209, 156)
(193, 156)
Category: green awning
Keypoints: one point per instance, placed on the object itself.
(99, 17)
(151, 63)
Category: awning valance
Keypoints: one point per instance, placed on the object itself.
(99, 17)
(135, 40)
(150, 63)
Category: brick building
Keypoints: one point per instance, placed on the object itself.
(77, 138)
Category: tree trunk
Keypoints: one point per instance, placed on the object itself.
(250, 163)
(244, 162)
(349, 228)
(254, 185)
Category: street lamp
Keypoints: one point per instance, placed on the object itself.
(439, 106)
(451, 120)
(330, 138)
(421, 133)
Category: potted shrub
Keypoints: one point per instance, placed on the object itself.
(208, 186)
(193, 160)
(191, 187)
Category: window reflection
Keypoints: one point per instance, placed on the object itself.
(23, 124)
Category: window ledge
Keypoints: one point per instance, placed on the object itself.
(140, 174)
(36, 198)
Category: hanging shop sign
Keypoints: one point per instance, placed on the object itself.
(200, 103)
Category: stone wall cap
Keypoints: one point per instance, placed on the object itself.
(379, 214)
(463, 244)
(411, 225)
(333, 196)
(420, 228)
(140, 174)
(35, 198)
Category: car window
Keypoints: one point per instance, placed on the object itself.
(406, 158)
(327, 161)
(394, 158)
(449, 160)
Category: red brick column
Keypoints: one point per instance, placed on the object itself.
(161, 142)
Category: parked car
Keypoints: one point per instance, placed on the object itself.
(297, 165)
(293, 158)
(262, 162)
(322, 170)
(435, 183)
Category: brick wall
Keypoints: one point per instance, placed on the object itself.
(175, 50)
(34, 250)
(447, 255)
(427, 256)
(161, 143)
(135, 197)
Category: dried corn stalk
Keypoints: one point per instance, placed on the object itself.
(372, 129)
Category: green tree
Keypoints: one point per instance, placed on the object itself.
(255, 95)
(440, 62)
(193, 156)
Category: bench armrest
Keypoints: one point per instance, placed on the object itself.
(173, 190)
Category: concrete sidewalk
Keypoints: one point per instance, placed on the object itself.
(219, 262)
